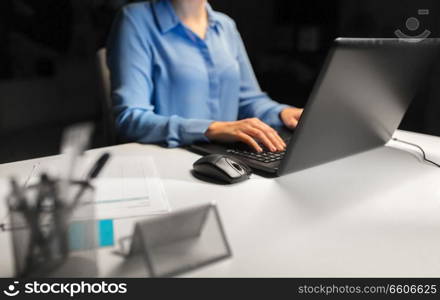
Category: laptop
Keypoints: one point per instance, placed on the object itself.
(359, 99)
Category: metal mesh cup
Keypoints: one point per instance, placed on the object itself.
(50, 237)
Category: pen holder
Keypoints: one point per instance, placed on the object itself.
(50, 237)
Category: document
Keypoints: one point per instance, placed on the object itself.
(128, 186)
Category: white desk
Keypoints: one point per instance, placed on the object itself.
(373, 214)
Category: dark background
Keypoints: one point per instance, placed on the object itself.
(48, 73)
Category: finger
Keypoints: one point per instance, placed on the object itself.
(245, 138)
(279, 139)
(281, 142)
(292, 122)
(298, 113)
(262, 137)
(272, 135)
(276, 140)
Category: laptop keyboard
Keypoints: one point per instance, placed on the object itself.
(265, 156)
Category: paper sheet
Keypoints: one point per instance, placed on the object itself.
(128, 186)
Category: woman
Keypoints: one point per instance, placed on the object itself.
(180, 74)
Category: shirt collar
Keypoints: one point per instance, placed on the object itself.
(167, 18)
(212, 16)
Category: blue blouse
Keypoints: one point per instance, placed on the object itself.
(169, 85)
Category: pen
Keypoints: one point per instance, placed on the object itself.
(93, 173)
(98, 166)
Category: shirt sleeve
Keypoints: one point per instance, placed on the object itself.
(254, 102)
(131, 67)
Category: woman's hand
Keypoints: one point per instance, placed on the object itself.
(290, 116)
(249, 131)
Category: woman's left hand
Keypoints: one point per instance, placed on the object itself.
(290, 116)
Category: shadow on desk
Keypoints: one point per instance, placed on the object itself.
(337, 185)
(131, 267)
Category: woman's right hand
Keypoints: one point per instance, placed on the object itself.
(249, 131)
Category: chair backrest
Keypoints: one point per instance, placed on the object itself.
(107, 102)
(105, 72)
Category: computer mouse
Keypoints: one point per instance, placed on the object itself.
(222, 168)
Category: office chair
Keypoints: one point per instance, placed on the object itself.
(107, 102)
